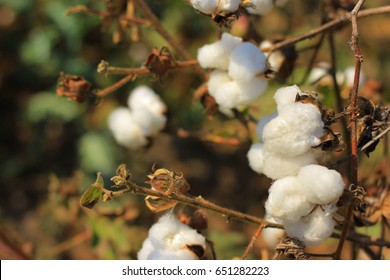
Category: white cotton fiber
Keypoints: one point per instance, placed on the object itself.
(286, 202)
(125, 130)
(228, 95)
(260, 7)
(144, 97)
(349, 76)
(229, 6)
(286, 96)
(314, 228)
(205, 6)
(277, 166)
(255, 157)
(271, 236)
(251, 90)
(262, 123)
(294, 131)
(246, 61)
(149, 122)
(320, 184)
(216, 55)
(168, 239)
(217, 78)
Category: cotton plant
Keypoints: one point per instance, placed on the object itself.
(170, 239)
(237, 66)
(144, 117)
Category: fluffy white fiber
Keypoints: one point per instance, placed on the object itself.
(286, 203)
(246, 61)
(262, 123)
(274, 59)
(255, 157)
(144, 97)
(149, 122)
(271, 236)
(167, 240)
(210, 6)
(286, 96)
(320, 184)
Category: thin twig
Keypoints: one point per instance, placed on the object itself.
(114, 87)
(353, 126)
(252, 243)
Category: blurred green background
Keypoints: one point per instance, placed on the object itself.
(51, 148)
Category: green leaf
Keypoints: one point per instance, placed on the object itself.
(93, 194)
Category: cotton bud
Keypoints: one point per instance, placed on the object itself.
(144, 97)
(169, 239)
(314, 228)
(125, 130)
(246, 61)
(256, 157)
(271, 236)
(286, 96)
(260, 7)
(216, 55)
(286, 202)
(320, 184)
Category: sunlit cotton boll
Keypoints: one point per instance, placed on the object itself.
(294, 131)
(314, 228)
(251, 90)
(217, 78)
(149, 122)
(260, 7)
(205, 6)
(286, 203)
(320, 184)
(246, 61)
(286, 96)
(168, 240)
(216, 55)
(255, 157)
(144, 97)
(271, 236)
(125, 130)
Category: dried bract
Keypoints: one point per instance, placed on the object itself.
(74, 87)
(291, 248)
(160, 61)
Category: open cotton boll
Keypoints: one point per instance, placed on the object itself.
(260, 7)
(205, 6)
(145, 97)
(246, 61)
(149, 122)
(251, 90)
(272, 236)
(217, 78)
(229, 6)
(286, 202)
(294, 131)
(255, 157)
(277, 166)
(262, 123)
(286, 96)
(216, 55)
(314, 228)
(168, 239)
(227, 95)
(125, 130)
(320, 184)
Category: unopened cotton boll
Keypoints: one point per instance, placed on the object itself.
(277, 166)
(149, 122)
(125, 130)
(144, 97)
(314, 228)
(205, 6)
(216, 55)
(286, 202)
(320, 184)
(286, 96)
(271, 236)
(260, 7)
(295, 131)
(168, 240)
(246, 61)
(255, 157)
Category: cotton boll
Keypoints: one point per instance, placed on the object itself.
(228, 95)
(229, 6)
(277, 166)
(320, 184)
(168, 239)
(260, 7)
(262, 123)
(145, 97)
(205, 6)
(216, 55)
(125, 130)
(286, 96)
(295, 131)
(314, 228)
(217, 78)
(251, 90)
(271, 236)
(286, 203)
(246, 61)
(255, 157)
(149, 122)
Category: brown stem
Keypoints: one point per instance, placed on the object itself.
(253, 240)
(114, 87)
(352, 103)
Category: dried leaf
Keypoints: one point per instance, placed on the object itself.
(156, 204)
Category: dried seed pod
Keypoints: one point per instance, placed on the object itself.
(160, 61)
(74, 87)
(291, 248)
